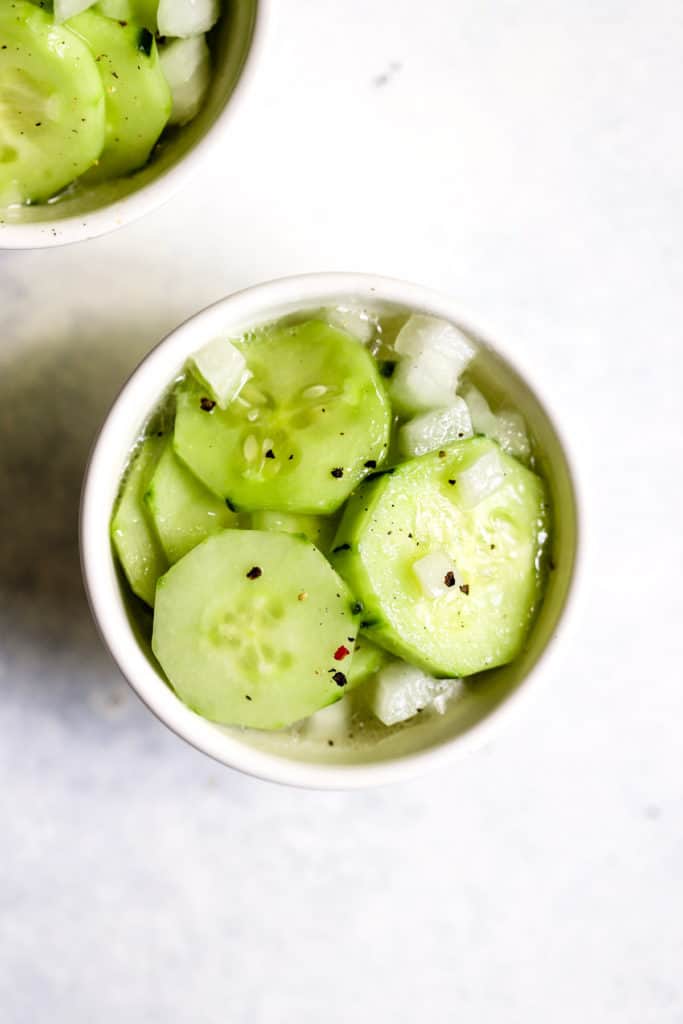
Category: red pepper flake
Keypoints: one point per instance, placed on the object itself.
(337, 473)
(270, 454)
(464, 589)
(254, 573)
(207, 404)
(449, 579)
(341, 653)
(339, 678)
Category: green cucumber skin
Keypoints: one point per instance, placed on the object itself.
(133, 535)
(450, 640)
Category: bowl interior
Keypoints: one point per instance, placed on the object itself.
(230, 43)
(119, 617)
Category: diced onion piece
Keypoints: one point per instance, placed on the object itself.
(400, 691)
(422, 383)
(511, 434)
(426, 334)
(437, 574)
(222, 369)
(356, 321)
(442, 700)
(65, 9)
(186, 64)
(330, 723)
(480, 479)
(433, 355)
(433, 429)
(483, 420)
(187, 17)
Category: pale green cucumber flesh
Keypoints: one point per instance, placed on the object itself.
(183, 510)
(52, 107)
(415, 509)
(138, 100)
(135, 540)
(247, 625)
(310, 424)
(320, 530)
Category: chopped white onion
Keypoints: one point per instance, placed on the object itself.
(354, 320)
(423, 383)
(433, 429)
(400, 691)
(437, 574)
(422, 334)
(186, 64)
(433, 355)
(331, 723)
(480, 479)
(187, 17)
(222, 369)
(483, 420)
(65, 9)
(511, 434)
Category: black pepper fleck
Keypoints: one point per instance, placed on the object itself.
(341, 547)
(207, 404)
(465, 588)
(270, 454)
(449, 579)
(145, 42)
(337, 472)
(371, 463)
(339, 678)
(254, 573)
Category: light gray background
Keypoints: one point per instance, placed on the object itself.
(525, 157)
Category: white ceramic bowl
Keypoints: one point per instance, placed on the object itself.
(236, 43)
(274, 756)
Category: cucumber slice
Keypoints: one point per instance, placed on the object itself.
(496, 544)
(318, 529)
(135, 541)
(142, 12)
(52, 111)
(183, 510)
(137, 95)
(248, 629)
(310, 424)
(366, 662)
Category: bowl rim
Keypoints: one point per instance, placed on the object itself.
(120, 212)
(102, 588)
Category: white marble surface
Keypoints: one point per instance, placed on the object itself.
(527, 158)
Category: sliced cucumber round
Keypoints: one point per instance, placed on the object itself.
(142, 12)
(248, 628)
(135, 540)
(137, 95)
(52, 109)
(318, 529)
(481, 617)
(312, 422)
(183, 510)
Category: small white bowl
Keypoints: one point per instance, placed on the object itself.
(279, 757)
(236, 44)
